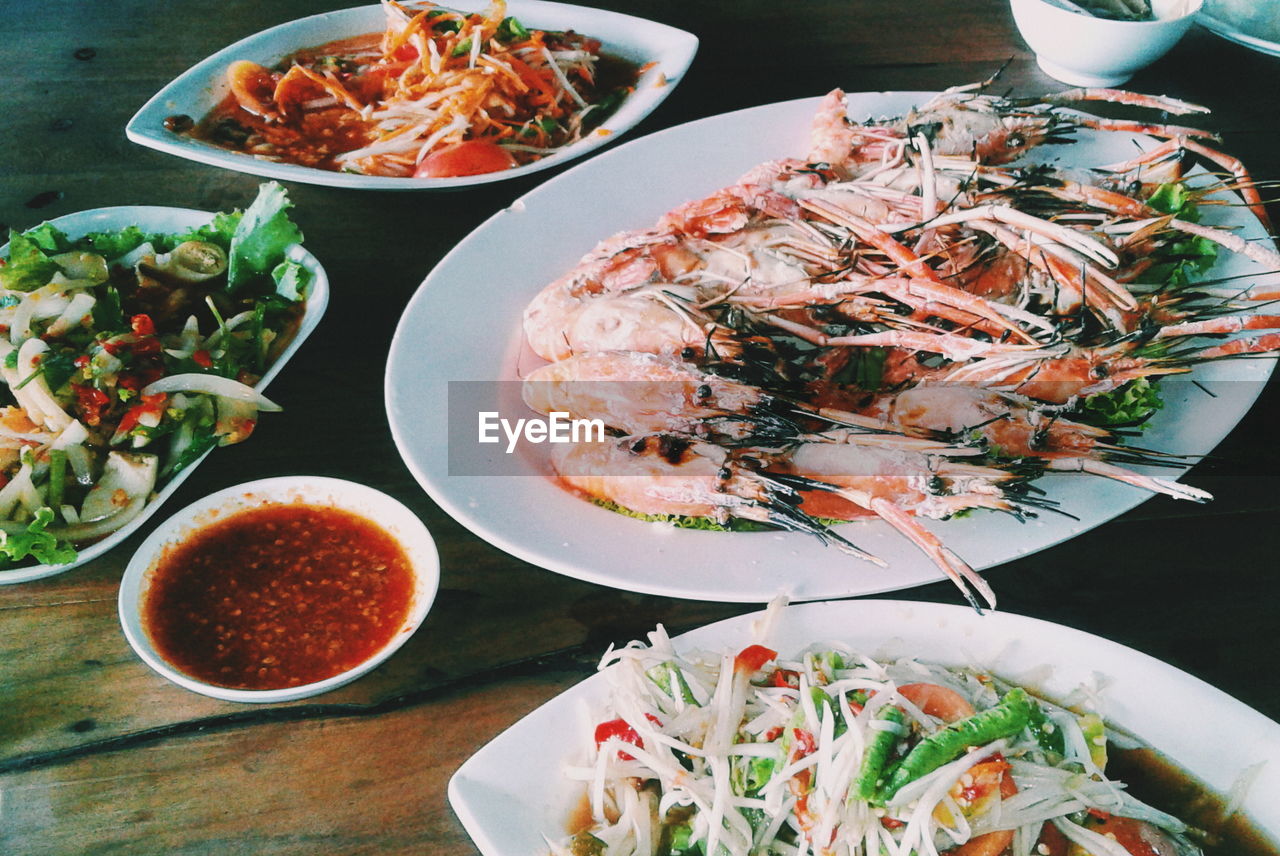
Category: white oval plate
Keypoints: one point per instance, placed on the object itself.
(153, 218)
(1213, 19)
(374, 505)
(199, 89)
(511, 793)
(464, 324)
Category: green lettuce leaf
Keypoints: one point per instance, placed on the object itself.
(261, 237)
(1174, 198)
(218, 231)
(1131, 404)
(27, 267)
(49, 238)
(113, 245)
(36, 542)
(293, 281)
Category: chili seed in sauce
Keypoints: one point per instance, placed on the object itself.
(278, 596)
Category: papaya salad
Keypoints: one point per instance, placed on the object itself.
(827, 751)
(125, 357)
(440, 93)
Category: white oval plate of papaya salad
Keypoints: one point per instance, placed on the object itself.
(460, 351)
(529, 790)
(132, 357)
(458, 94)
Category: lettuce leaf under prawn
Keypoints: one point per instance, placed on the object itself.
(1178, 263)
(1132, 404)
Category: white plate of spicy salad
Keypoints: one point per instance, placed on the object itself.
(184, 437)
(459, 352)
(419, 96)
(529, 788)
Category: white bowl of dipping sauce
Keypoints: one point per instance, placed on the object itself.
(279, 589)
(1084, 50)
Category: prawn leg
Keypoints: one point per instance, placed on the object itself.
(1120, 474)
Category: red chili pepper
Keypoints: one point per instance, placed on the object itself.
(141, 378)
(618, 728)
(90, 402)
(890, 823)
(804, 745)
(773, 734)
(149, 404)
(785, 678)
(146, 347)
(128, 421)
(142, 325)
(81, 361)
(202, 359)
(753, 658)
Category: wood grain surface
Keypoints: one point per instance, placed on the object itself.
(99, 755)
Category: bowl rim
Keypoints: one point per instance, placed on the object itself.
(410, 532)
(1195, 7)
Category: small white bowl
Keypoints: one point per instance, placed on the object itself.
(1086, 51)
(374, 505)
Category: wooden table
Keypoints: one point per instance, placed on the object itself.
(100, 755)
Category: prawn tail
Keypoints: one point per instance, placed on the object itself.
(957, 569)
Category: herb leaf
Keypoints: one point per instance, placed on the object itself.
(261, 237)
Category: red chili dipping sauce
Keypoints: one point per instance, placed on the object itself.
(278, 596)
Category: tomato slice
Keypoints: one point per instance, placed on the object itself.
(1138, 837)
(937, 701)
(473, 157)
(752, 658)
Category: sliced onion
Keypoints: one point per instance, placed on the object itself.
(231, 323)
(209, 384)
(72, 435)
(105, 526)
(30, 498)
(134, 474)
(136, 255)
(81, 464)
(47, 301)
(23, 439)
(36, 390)
(81, 265)
(11, 493)
(77, 310)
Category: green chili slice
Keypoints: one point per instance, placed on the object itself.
(1006, 719)
(877, 754)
